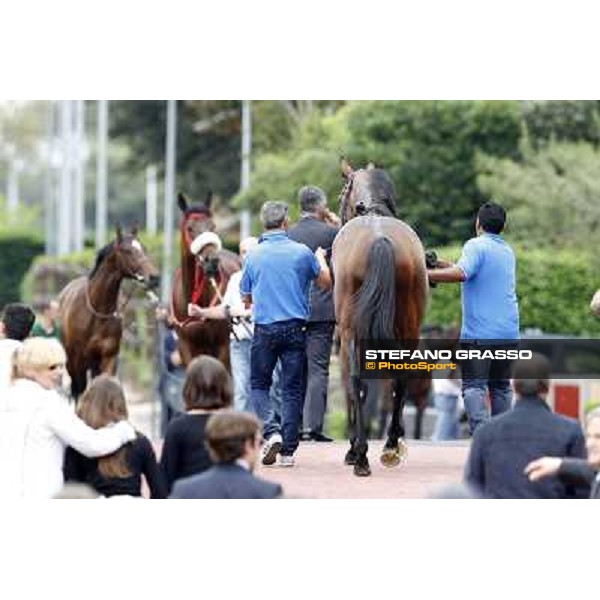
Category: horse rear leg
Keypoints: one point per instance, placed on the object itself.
(395, 450)
(360, 445)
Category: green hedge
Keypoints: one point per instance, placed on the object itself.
(554, 291)
(16, 255)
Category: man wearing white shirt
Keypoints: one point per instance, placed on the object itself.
(242, 330)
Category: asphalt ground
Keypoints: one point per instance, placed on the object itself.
(320, 471)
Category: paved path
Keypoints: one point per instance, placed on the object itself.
(320, 472)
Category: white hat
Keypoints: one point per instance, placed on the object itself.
(204, 239)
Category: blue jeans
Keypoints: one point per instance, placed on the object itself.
(239, 353)
(284, 341)
(446, 425)
(479, 376)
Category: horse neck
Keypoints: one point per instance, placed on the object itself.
(103, 287)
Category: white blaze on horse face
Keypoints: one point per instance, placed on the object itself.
(135, 244)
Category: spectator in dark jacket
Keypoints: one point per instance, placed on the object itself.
(503, 447)
(314, 229)
(573, 470)
(207, 388)
(233, 440)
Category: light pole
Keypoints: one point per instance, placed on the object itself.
(65, 186)
(151, 199)
(245, 172)
(101, 173)
(170, 163)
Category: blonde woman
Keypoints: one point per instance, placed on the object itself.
(37, 424)
(119, 473)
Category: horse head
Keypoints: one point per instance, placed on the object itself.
(132, 260)
(196, 219)
(368, 191)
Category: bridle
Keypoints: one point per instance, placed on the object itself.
(193, 216)
(117, 314)
(380, 206)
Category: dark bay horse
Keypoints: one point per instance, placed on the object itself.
(380, 293)
(91, 319)
(201, 280)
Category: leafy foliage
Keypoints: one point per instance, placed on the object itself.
(562, 120)
(552, 194)
(554, 290)
(17, 251)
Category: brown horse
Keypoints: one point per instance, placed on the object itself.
(380, 293)
(201, 280)
(91, 320)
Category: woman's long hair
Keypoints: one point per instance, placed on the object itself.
(101, 404)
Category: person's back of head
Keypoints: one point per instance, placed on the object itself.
(232, 435)
(531, 377)
(17, 321)
(312, 199)
(104, 403)
(491, 217)
(208, 385)
(274, 214)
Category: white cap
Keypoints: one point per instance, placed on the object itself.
(204, 239)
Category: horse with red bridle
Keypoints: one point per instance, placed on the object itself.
(380, 293)
(201, 279)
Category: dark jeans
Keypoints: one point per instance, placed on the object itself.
(319, 339)
(479, 375)
(286, 341)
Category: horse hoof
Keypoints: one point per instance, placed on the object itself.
(392, 457)
(362, 470)
(350, 458)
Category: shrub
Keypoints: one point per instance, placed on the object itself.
(554, 289)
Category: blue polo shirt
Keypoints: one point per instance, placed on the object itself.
(279, 274)
(489, 300)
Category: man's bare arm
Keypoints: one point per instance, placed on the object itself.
(450, 274)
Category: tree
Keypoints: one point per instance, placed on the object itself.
(551, 194)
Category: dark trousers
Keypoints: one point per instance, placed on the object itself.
(479, 376)
(319, 339)
(284, 341)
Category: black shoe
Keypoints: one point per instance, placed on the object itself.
(315, 436)
(306, 436)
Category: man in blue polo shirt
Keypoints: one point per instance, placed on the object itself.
(490, 312)
(277, 279)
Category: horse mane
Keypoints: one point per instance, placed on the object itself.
(383, 189)
(100, 256)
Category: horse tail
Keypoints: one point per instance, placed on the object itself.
(375, 300)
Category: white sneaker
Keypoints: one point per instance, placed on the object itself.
(286, 461)
(271, 449)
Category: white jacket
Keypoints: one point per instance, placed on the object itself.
(36, 425)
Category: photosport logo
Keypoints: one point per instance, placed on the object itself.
(437, 358)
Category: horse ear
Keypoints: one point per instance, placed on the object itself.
(119, 233)
(134, 229)
(346, 167)
(182, 202)
(209, 199)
